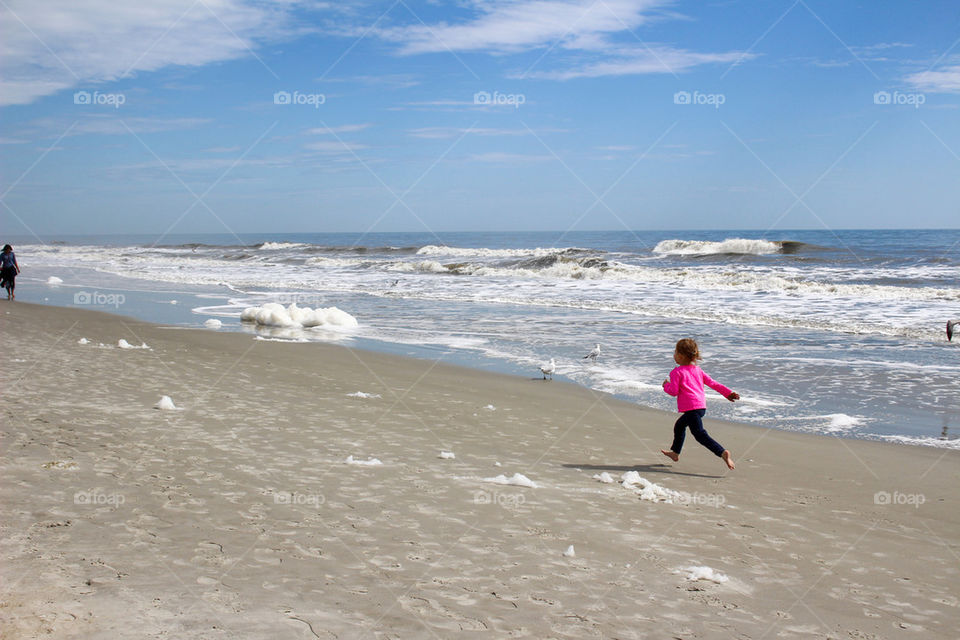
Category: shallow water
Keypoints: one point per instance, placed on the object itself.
(828, 332)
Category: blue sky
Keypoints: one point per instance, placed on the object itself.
(184, 116)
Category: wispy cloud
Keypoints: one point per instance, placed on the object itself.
(431, 133)
(513, 26)
(944, 80)
(344, 128)
(592, 31)
(333, 147)
(643, 60)
(501, 157)
(123, 126)
(58, 44)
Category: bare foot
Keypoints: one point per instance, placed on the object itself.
(670, 454)
(726, 458)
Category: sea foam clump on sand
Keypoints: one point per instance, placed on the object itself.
(517, 479)
(123, 344)
(649, 490)
(372, 462)
(276, 315)
(213, 323)
(165, 404)
(705, 573)
(361, 394)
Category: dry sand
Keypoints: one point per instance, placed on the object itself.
(236, 516)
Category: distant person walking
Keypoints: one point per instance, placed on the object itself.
(686, 384)
(9, 270)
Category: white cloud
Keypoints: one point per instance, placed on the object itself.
(333, 147)
(508, 26)
(451, 132)
(587, 28)
(344, 128)
(59, 44)
(657, 59)
(946, 80)
(500, 157)
(123, 126)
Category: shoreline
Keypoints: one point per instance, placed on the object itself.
(488, 364)
(238, 514)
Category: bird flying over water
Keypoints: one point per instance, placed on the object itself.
(594, 354)
(548, 369)
(950, 325)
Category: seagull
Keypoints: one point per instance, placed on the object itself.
(594, 354)
(548, 369)
(950, 325)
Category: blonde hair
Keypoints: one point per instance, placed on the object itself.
(688, 348)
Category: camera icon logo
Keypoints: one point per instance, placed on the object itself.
(681, 97)
(82, 297)
(281, 498)
(881, 97)
(281, 97)
(81, 97)
(482, 497)
(482, 97)
(881, 498)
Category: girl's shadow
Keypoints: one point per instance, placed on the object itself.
(640, 468)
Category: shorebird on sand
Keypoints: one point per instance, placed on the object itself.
(548, 369)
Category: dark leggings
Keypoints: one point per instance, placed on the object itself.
(9, 276)
(693, 419)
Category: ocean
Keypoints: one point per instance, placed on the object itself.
(831, 332)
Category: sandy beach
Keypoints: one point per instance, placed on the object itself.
(238, 515)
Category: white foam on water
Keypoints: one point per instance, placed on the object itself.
(54, 280)
(742, 246)
(481, 252)
(831, 422)
(290, 340)
(943, 443)
(276, 315)
(517, 479)
(83, 341)
(447, 455)
(570, 552)
(361, 394)
(276, 246)
(371, 462)
(213, 323)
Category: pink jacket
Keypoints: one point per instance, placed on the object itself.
(686, 383)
